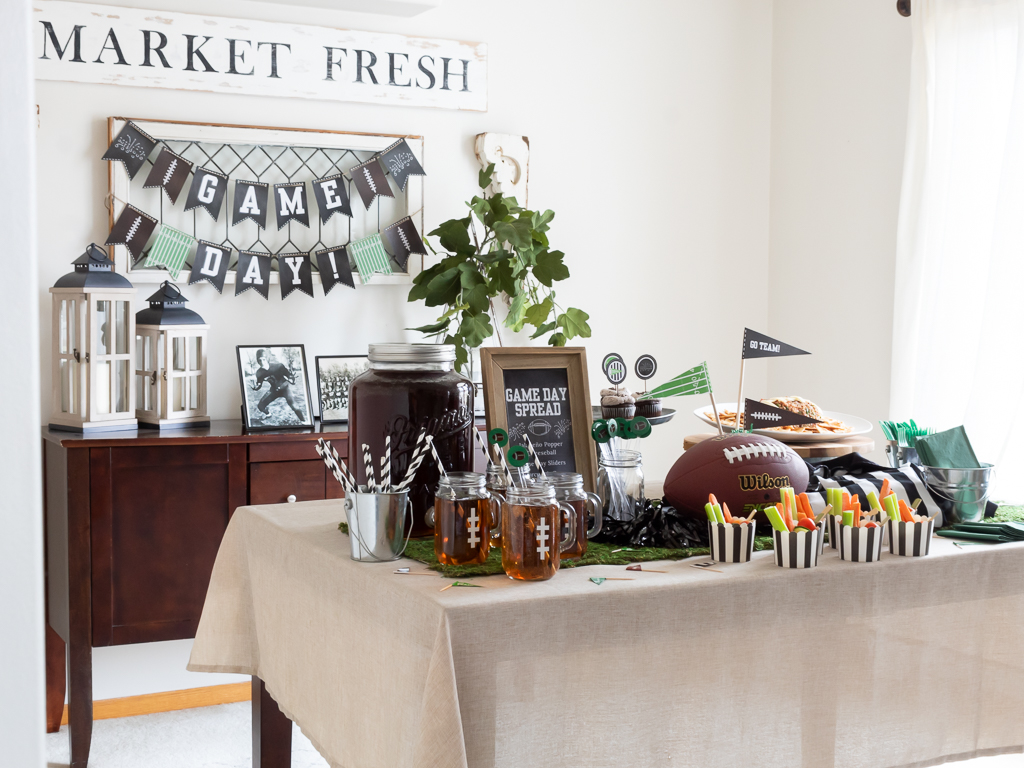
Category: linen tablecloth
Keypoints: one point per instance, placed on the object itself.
(906, 661)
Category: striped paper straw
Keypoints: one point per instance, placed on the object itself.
(536, 458)
(385, 466)
(340, 472)
(433, 451)
(508, 472)
(371, 482)
(414, 464)
(483, 444)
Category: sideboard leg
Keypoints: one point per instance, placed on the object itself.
(271, 730)
(56, 679)
(80, 702)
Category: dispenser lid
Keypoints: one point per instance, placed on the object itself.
(412, 353)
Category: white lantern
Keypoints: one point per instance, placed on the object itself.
(170, 362)
(93, 325)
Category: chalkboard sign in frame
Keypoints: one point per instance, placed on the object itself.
(502, 368)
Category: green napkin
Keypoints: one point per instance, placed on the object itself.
(991, 532)
(990, 538)
(950, 450)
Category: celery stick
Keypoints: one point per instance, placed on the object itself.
(776, 519)
(891, 507)
(710, 512)
(848, 517)
(719, 516)
(873, 500)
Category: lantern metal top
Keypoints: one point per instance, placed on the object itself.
(93, 269)
(167, 307)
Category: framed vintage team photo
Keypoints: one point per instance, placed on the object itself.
(275, 389)
(334, 375)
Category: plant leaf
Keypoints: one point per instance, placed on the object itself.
(454, 236)
(444, 288)
(574, 322)
(516, 311)
(557, 340)
(477, 297)
(502, 278)
(537, 314)
(485, 176)
(542, 220)
(549, 267)
(433, 327)
(543, 329)
(475, 329)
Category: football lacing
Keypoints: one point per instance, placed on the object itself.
(753, 451)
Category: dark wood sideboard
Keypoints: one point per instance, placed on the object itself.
(133, 523)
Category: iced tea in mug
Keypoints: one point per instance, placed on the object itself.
(569, 488)
(531, 532)
(497, 484)
(463, 518)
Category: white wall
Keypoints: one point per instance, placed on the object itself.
(22, 721)
(840, 85)
(670, 97)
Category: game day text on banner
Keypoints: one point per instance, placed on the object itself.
(87, 43)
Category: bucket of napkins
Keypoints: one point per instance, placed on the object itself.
(952, 472)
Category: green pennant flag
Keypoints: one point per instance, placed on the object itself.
(693, 382)
(370, 257)
(170, 249)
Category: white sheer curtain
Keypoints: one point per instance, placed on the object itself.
(958, 344)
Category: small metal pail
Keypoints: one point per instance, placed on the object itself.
(965, 489)
(376, 525)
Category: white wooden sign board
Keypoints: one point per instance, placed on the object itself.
(86, 43)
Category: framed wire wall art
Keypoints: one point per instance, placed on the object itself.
(255, 163)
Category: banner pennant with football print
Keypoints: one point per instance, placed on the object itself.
(132, 229)
(291, 204)
(210, 264)
(169, 172)
(695, 381)
(131, 147)
(170, 249)
(296, 273)
(334, 268)
(370, 257)
(401, 163)
(331, 197)
(207, 191)
(250, 202)
(370, 181)
(253, 271)
(404, 239)
(757, 345)
(762, 416)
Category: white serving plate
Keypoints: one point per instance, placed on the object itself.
(857, 425)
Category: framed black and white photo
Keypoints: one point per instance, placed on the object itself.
(334, 375)
(275, 389)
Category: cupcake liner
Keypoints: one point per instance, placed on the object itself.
(648, 408)
(910, 539)
(796, 549)
(731, 543)
(860, 545)
(834, 521)
(618, 411)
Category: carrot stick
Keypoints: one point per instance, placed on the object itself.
(782, 514)
(885, 489)
(725, 511)
(847, 501)
(787, 515)
(906, 514)
(805, 502)
(711, 499)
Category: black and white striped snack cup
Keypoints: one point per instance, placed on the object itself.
(910, 539)
(796, 549)
(834, 521)
(731, 543)
(860, 545)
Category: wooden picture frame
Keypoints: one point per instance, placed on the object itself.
(281, 418)
(331, 415)
(540, 364)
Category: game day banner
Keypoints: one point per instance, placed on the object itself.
(267, 206)
(84, 43)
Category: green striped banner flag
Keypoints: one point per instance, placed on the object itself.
(370, 257)
(170, 249)
(693, 382)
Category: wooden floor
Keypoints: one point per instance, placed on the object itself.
(169, 701)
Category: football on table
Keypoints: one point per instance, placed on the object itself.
(743, 470)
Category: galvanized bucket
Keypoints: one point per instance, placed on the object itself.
(965, 489)
(376, 525)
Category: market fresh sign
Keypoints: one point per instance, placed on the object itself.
(85, 43)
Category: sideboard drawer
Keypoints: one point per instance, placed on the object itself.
(273, 482)
(299, 450)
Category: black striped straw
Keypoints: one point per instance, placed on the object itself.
(536, 458)
(508, 472)
(414, 463)
(371, 482)
(385, 466)
(433, 450)
(335, 464)
(483, 445)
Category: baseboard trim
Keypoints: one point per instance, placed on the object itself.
(169, 701)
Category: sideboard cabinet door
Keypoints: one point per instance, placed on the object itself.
(158, 516)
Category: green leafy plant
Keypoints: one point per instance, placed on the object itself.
(510, 257)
